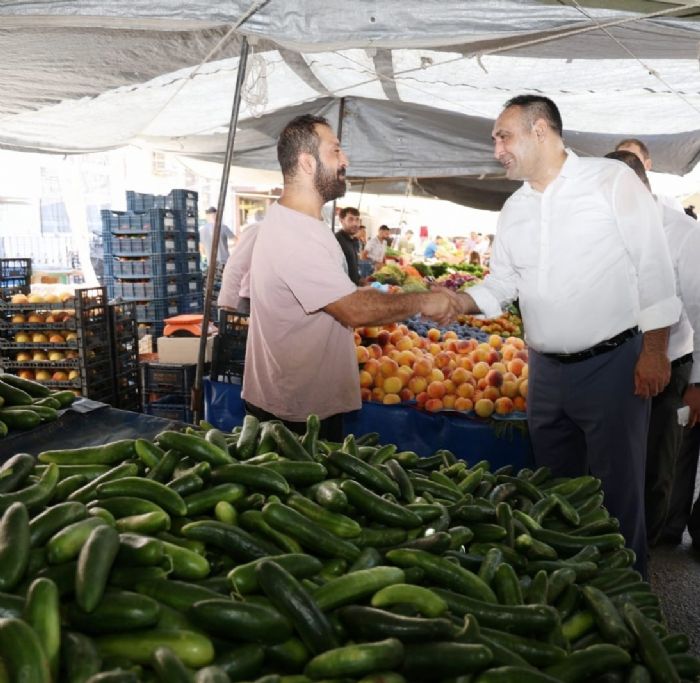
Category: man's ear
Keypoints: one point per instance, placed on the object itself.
(647, 164)
(540, 128)
(307, 163)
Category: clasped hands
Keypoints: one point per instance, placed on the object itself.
(442, 305)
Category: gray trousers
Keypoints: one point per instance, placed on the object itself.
(679, 511)
(663, 444)
(584, 418)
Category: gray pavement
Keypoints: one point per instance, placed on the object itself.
(675, 578)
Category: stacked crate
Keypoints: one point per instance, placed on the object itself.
(15, 275)
(228, 354)
(63, 344)
(124, 336)
(152, 256)
(167, 390)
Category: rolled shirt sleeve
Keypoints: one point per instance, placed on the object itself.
(689, 286)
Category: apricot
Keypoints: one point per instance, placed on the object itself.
(465, 390)
(436, 375)
(362, 354)
(392, 385)
(433, 405)
(503, 405)
(366, 380)
(388, 366)
(462, 403)
(494, 378)
(378, 394)
(417, 384)
(481, 369)
(433, 334)
(436, 389)
(406, 394)
(522, 388)
(484, 407)
(496, 341)
(492, 392)
(391, 399)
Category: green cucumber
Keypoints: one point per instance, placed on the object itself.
(378, 508)
(117, 611)
(423, 600)
(151, 490)
(369, 623)
(18, 418)
(14, 396)
(288, 443)
(298, 473)
(94, 564)
(79, 658)
(254, 521)
(22, 653)
(42, 613)
(203, 501)
(195, 447)
(14, 546)
(252, 476)
(244, 579)
(14, 472)
(247, 438)
(179, 595)
(186, 563)
(356, 660)
(88, 492)
(108, 454)
(29, 386)
(354, 586)
(139, 550)
(65, 544)
(338, 524)
(148, 452)
(439, 660)
(234, 541)
(589, 662)
(169, 667)
(368, 475)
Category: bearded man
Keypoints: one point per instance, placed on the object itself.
(300, 354)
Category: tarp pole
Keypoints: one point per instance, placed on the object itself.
(197, 396)
(341, 114)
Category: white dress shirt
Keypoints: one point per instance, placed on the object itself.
(683, 235)
(587, 258)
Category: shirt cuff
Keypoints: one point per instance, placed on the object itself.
(488, 304)
(662, 314)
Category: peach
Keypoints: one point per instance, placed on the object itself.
(365, 394)
(393, 353)
(494, 378)
(503, 406)
(392, 385)
(462, 346)
(391, 399)
(35, 318)
(22, 338)
(509, 377)
(371, 332)
(509, 389)
(481, 369)
(404, 373)
(522, 354)
(23, 356)
(417, 384)
(366, 380)
(525, 372)
(442, 359)
(378, 394)
(493, 357)
(395, 335)
(362, 354)
(355, 336)
(60, 376)
(384, 338)
(465, 390)
(406, 394)
(516, 366)
(71, 336)
(519, 404)
(388, 366)
(450, 386)
(43, 375)
(406, 358)
(501, 367)
(450, 334)
(507, 352)
(433, 334)
(484, 407)
(26, 374)
(459, 375)
(448, 401)
(433, 405)
(492, 392)
(404, 344)
(462, 403)
(421, 398)
(436, 389)
(496, 341)
(39, 356)
(434, 349)
(436, 375)
(465, 362)
(522, 388)
(423, 367)
(479, 354)
(372, 366)
(375, 351)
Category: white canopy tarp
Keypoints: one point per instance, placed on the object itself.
(422, 80)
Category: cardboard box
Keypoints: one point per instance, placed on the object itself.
(182, 349)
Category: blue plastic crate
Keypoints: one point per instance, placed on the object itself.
(191, 303)
(151, 288)
(158, 309)
(146, 244)
(139, 201)
(184, 200)
(155, 265)
(191, 284)
(189, 263)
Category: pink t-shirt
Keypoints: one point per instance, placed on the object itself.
(299, 359)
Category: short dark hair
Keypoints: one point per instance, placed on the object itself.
(383, 227)
(633, 161)
(634, 141)
(348, 210)
(538, 107)
(298, 136)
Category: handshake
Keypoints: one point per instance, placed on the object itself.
(443, 305)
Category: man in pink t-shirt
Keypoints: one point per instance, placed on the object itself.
(300, 356)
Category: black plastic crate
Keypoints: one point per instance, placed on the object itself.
(139, 201)
(228, 354)
(15, 275)
(169, 378)
(183, 200)
(171, 407)
(127, 390)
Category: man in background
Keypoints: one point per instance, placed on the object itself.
(375, 250)
(347, 239)
(580, 243)
(406, 244)
(637, 147)
(206, 233)
(665, 434)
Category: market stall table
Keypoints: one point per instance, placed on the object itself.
(501, 442)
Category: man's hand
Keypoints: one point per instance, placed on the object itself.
(691, 398)
(651, 374)
(653, 370)
(441, 305)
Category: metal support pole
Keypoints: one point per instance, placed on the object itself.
(197, 397)
(341, 114)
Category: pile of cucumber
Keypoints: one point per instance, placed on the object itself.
(206, 557)
(25, 404)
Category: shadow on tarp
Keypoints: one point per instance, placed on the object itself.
(501, 443)
(86, 423)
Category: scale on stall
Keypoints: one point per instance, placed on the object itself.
(187, 325)
(180, 340)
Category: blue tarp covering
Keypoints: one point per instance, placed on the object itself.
(501, 442)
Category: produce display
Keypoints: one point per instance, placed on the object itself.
(440, 371)
(61, 341)
(263, 556)
(25, 404)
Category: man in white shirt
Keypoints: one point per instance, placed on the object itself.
(665, 434)
(638, 148)
(580, 244)
(376, 247)
(235, 281)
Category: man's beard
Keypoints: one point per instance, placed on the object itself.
(328, 184)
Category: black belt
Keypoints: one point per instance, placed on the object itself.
(601, 347)
(688, 358)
